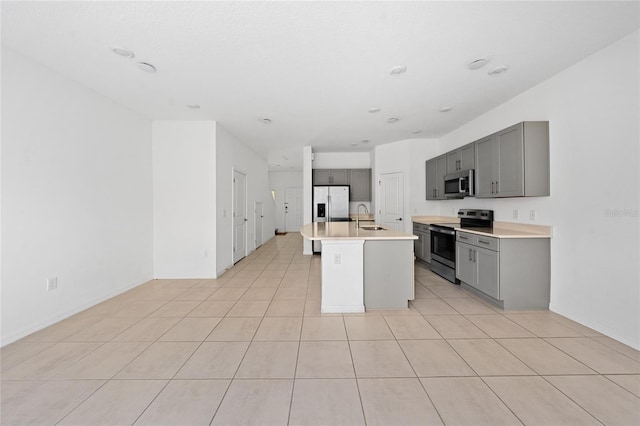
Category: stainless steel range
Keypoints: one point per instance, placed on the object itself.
(443, 240)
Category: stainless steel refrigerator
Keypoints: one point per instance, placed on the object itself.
(330, 204)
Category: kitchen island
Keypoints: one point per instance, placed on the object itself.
(363, 267)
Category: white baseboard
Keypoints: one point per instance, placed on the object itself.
(632, 341)
(355, 309)
(57, 318)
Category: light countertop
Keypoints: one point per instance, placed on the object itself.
(348, 230)
(499, 230)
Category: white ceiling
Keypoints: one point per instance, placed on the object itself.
(314, 68)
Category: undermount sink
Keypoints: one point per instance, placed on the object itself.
(373, 228)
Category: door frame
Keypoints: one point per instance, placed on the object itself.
(286, 207)
(255, 224)
(233, 206)
(380, 204)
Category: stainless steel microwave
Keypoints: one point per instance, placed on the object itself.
(459, 184)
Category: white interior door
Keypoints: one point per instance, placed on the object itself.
(259, 218)
(293, 209)
(391, 201)
(239, 216)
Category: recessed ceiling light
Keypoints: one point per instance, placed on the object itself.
(392, 120)
(478, 63)
(193, 106)
(374, 110)
(415, 132)
(146, 67)
(265, 120)
(446, 109)
(398, 69)
(365, 141)
(498, 70)
(122, 51)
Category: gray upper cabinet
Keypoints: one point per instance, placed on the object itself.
(360, 182)
(514, 162)
(436, 169)
(358, 179)
(340, 176)
(461, 159)
(330, 176)
(322, 176)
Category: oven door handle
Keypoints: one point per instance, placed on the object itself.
(442, 231)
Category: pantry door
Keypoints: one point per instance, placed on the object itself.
(391, 201)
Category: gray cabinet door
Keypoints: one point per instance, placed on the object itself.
(442, 172)
(360, 182)
(461, 159)
(485, 167)
(467, 156)
(465, 265)
(488, 276)
(510, 177)
(431, 179)
(321, 176)
(453, 159)
(417, 245)
(426, 247)
(339, 176)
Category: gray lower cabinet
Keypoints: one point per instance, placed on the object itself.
(388, 274)
(514, 162)
(422, 246)
(513, 273)
(435, 171)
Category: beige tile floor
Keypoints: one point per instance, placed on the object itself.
(253, 348)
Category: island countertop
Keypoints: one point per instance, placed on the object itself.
(348, 230)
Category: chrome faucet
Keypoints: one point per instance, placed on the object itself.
(358, 215)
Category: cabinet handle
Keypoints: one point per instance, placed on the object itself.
(462, 237)
(475, 256)
(497, 190)
(492, 186)
(470, 256)
(484, 242)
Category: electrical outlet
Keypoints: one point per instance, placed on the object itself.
(532, 215)
(516, 214)
(52, 283)
(337, 259)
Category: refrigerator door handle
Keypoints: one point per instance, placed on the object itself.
(329, 208)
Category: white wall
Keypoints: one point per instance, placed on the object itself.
(593, 113)
(232, 153)
(392, 158)
(76, 197)
(279, 182)
(184, 199)
(341, 160)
